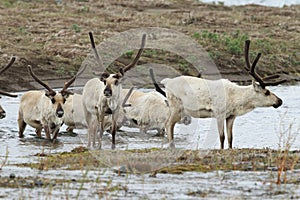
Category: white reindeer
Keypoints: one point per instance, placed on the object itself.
(2, 111)
(74, 113)
(148, 111)
(221, 99)
(101, 97)
(43, 109)
(74, 116)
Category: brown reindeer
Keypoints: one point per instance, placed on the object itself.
(43, 109)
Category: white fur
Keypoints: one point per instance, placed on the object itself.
(221, 99)
(37, 110)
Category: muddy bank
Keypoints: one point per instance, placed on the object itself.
(53, 36)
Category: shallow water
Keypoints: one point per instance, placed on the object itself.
(260, 128)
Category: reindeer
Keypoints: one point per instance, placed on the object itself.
(221, 99)
(101, 97)
(148, 111)
(43, 109)
(2, 111)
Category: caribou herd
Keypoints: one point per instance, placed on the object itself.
(105, 105)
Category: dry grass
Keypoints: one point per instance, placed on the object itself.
(168, 161)
(54, 37)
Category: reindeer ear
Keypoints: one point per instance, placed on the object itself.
(50, 94)
(104, 76)
(256, 86)
(120, 74)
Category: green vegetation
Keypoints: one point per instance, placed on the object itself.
(233, 42)
(76, 28)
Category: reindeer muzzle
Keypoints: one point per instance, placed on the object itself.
(107, 92)
(279, 103)
(59, 111)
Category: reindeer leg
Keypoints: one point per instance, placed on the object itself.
(175, 116)
(91, 123)
(101, 130)
(229, 125)
(55, 134)
(113, 134)
(22, 125)
(170, 124)
(38, 132)
(220, 122)
(47, 132)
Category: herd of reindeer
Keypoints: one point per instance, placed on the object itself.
(105, 106)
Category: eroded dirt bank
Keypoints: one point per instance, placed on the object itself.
(54, 36)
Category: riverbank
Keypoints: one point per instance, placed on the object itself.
(53, 37)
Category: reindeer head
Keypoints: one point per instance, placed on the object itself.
(2, 111)
(259, 84)
(57, 98)
(112, 82)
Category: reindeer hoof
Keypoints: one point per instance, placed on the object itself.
(172, 145)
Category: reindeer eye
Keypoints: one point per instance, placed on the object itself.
(116, 82)
(53, 100)
(267, 93)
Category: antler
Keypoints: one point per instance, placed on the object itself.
(8, 94)
(94, 48)
(138, 55)
(126, 98)
(68, 83)
(157, 88)
(51, 91)
(251, 69)
(12, 60)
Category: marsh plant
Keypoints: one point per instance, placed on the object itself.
(4, 160)
(286, 139)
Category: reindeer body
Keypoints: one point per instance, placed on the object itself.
(37, 110)
(74, 113)
(43, 109)
(221, 99)
(102, 98)
(97, 106)
(149, 111)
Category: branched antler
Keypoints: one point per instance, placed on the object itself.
(251, 70)
(125, 68)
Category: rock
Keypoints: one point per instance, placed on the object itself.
(38, 183)
(12, 176)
